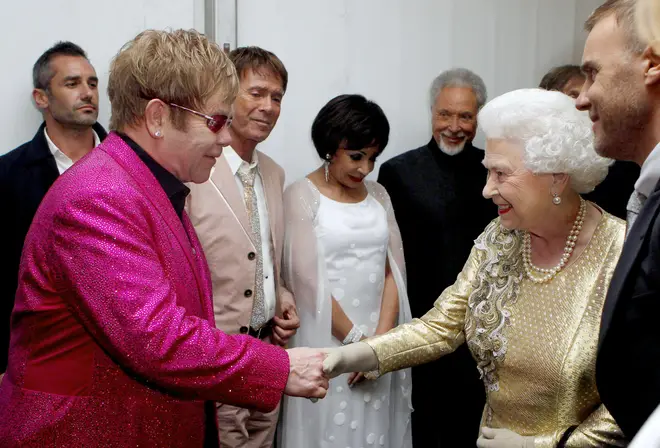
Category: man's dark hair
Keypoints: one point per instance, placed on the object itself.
(350, 121)
(558, 77)
(42, 73)
(258, 60)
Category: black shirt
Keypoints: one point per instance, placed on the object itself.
(440, 210)
(175, 190)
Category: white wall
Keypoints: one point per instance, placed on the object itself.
(379, 48)
(583, 8)
(29, 27)
(390, 50)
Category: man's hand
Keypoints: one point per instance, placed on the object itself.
(503, 438)
(285, 326)
(306, 377)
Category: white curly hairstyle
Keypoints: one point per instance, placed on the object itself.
(557, 138)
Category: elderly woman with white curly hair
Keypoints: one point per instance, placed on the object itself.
(528, 300)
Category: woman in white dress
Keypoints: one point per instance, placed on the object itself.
(343, 261)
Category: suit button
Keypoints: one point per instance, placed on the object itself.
(248, 293)
(251, 256)
(243, 330)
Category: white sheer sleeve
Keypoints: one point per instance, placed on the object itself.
(401, 398)
(303, 266)
(395, 250)
(303, 269)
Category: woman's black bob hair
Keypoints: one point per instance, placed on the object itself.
(349, 122)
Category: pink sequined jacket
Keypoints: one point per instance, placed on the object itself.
(113, 340)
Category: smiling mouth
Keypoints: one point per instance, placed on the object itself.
(454, 139)
(503, 209)
(355, 179)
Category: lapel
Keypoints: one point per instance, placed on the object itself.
(628, 259)
(41, 164)
(42, 168)
(225, 183)
(203, 268)
(271, 186)
(126, 157)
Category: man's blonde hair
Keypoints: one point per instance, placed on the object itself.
(647, 18)
(181, 67)
(624, 13)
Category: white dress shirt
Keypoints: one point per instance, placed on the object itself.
(650, 173)
(63, 161)
(235, 162)
(649, 435)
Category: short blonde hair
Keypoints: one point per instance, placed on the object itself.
(181, 67)
(647, 20)
(624, 14)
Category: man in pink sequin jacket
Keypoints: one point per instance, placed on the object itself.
(113, 341)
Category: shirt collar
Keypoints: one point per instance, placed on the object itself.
(235, 162)
(175, 190)
(57, 152)
(650, 173)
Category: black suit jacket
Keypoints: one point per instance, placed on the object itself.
(613, 193)
(628, 363)
(440, 210)
(26, 174)
(438, 204)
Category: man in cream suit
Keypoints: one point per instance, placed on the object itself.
(239, 219)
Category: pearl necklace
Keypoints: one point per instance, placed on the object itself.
(548, 274)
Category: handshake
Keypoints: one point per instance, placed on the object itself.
(310, 369)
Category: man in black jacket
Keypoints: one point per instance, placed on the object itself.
(436, 195)
(66, 92)
(622, 95)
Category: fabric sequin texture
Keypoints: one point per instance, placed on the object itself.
(112, 340)
(539, 368)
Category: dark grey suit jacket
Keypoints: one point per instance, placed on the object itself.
(26, 174)
(628, 363)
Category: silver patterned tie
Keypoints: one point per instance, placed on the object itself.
(635, 204)
(247, 177)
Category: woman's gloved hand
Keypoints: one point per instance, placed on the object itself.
(356, 357)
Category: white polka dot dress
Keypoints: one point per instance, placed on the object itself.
(355, 240)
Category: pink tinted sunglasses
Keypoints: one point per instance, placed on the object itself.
(213, 122)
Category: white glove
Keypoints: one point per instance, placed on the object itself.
(357, 357)
(503, 438)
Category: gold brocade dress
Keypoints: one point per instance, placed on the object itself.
(534, 344)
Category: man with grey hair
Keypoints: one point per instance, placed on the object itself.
(436, 196)
(65, 90)
(622, 95)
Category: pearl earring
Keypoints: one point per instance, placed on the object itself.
(157, 133)
(556, 199)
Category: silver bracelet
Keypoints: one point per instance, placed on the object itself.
(353, 336)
